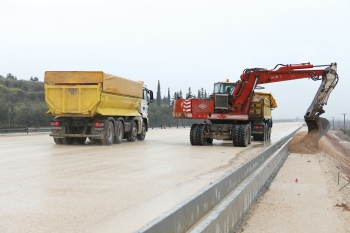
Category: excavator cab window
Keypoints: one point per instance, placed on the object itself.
(221, 88)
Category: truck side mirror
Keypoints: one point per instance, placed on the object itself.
(151, 96)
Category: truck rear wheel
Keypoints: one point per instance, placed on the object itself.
(80, 140)
(142, 135)
(201, 140)
(67, 140)
(119, 132)
(133, 132)
(250, 134)
(57, 141)
(109, 137)
(193, 134)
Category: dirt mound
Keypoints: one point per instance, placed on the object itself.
(304, 143)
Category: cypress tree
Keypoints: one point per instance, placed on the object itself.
(158, 94)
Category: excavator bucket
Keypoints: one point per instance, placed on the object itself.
(320, 124)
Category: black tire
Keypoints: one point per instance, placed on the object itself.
(243, 135)
(109, 137)
(57, 141)
(235, 135)
(67, 140)
(142, 135)
(250, 134)
(193, 135)
(209, 141)
(132, 135)
(80, 140)
(201, 140)
(119, 132)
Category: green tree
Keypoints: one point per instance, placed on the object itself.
(10, 76)
(168, 96)
(158, 94)
(189, 94)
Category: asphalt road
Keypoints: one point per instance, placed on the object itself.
(46, 187)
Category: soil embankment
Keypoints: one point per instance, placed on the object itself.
(305, 143)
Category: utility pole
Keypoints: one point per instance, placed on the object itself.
(344, 120)
(333, 123)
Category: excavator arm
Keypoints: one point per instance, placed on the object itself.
(243, 94)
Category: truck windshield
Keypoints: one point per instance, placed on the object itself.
(224, 88)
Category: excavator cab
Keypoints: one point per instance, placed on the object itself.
(224, 87)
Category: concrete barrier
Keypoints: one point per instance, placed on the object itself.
(187, 214)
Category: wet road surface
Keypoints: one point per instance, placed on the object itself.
(46, 187)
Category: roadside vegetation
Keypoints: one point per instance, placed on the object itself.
(344, 134)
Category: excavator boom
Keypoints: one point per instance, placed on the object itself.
(242, 96)
(312, 115)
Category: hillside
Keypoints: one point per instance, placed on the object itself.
(26, 99)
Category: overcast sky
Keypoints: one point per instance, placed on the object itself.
(182, 43)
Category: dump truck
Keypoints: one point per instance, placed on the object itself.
(92, 104)
(228, 113)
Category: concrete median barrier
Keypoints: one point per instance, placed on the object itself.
(236, 191)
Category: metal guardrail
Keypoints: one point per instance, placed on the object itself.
(190, 212)
(25, 130)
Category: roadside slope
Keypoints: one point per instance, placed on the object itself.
(303, 196)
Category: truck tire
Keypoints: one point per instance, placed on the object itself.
(193, 134)
(67, 140)
(57, 141)
(80, 140)
(235, 135)
(250, 134)
(109, 137)
(201, 140)
(119, 132)
(142, 135)
(132, 135)
(243, 135)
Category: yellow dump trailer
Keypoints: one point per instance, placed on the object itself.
(260, 114)
(95, 105)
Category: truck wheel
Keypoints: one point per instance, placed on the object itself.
(193, 134)
(80, 140)
(201, 140)
(119, 132)
(142, 135)
(109, 137)
(235, 135)
(57, 141)
(133, 133)
(243, 135)
(67, 140)
(250, 134)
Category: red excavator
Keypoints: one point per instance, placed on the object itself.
(231, 113)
